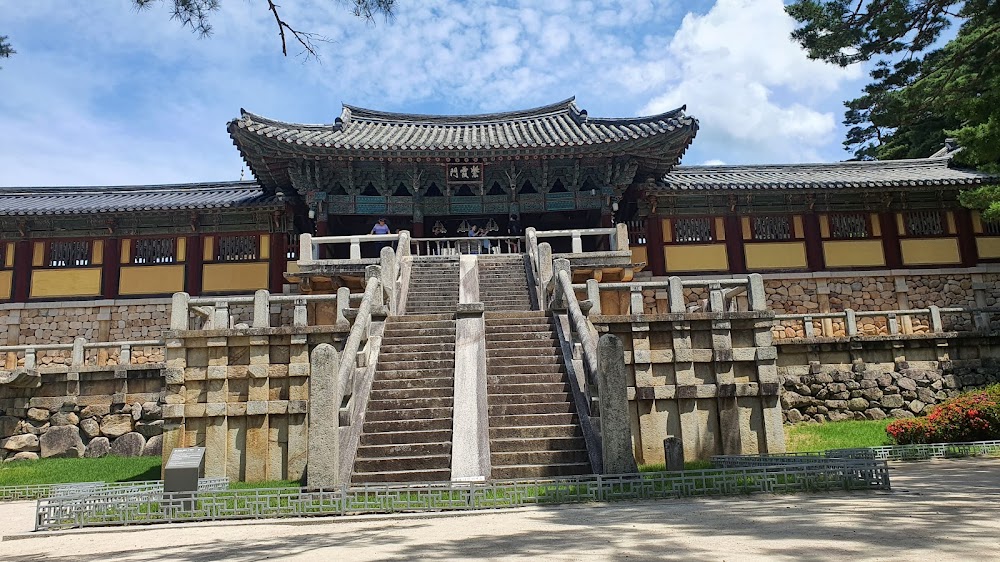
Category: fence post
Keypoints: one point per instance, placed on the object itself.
(343, 301)
(261, 309)
(125, 356)
(30, 358)
(612, 390)
(577, 244)
(758, 298)
(323, 461)
(559, 298)
(594, 296)
(807, 325)
(305, 247)
(636, 305)
(936, 324)
(179, 311)
(850, 322)
(220, 317)
(676, 290)
(300, 316)
(78, 352)
(355, 248)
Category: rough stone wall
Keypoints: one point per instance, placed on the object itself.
(93, 412)
(97, 321)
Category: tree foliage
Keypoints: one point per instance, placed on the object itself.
(5, 49)
(921, 92)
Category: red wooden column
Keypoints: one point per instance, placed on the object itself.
(890, 240)
(814, 242)
(966, 237)
(654, 245)
(22, 271)
(322, 229)
(734, 244)
(193, 256)
(111, 268)
(279, 261)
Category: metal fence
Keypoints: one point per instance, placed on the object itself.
(127, 507)
(38, 491)
(883, 453)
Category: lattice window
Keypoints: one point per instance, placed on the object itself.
(693, 230)
(637, 232)
(237, 248)
(771, 228)
(154, 250)
(924, 223)
(849, 226)
(292, 246)
(69, 254)
(991, 227)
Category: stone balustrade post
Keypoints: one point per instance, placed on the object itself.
(559, 297)
(125, 355)
(594, 296)
(755, 289)
(636, 305)
(716, 299)
(937, 325)
(220, 316)
(675, 289)
(300, 316)
(343, 302)
(78, 357)
(616, 429)
(355, 248)
(893, 322)
(306, 253)
(808, 328)
(261, 309)
(30, 358)
(179, 315)
(621, 237)
(387, 259)
(544, 272)
(577, 243)
(323, 464)
(375, 271)
(850, 322)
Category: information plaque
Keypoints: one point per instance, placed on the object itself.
(184, 467)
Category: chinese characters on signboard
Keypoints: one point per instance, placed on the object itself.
(469, 173)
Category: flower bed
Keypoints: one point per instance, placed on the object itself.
(974, 416)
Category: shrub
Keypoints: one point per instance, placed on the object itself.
(974, 416)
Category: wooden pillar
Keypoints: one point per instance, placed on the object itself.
(194, 257)
(966, 237)
(418, 229)
(279, 261)
(890, 240)
(322, 229)
(734, 244)
(654, 245)
(814, 242)
(111, 268)
(22, 270)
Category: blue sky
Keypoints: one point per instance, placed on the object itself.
(102, 95)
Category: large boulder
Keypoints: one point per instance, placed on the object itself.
(38, 414)
(116, 425)
(149, 429)
(98, 447)
(61, 441)
(8, 426)
(90, 428)
(22, 456)
(64, 418)
(153, 447)
(95, 411)
(151, 411)
(128, 445)
(19, 443)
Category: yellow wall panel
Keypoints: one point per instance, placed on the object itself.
(775, 255)
(38, 254)
(977, 222)
(798, 230)
(924, 251)
(221, 277)
(6, 278)
(208, 251)
(126, 256)
(638, 256)
(989, 247)
(181, 248)
(151, 280)
(696, 257)
(824, 226)
(668, 232)
(70, 282)
(747, 233)
(8, 256)
(900, 224)
(265, 246)
(853, 253)
(876, 225)
(720, 229)
(950, 218)
(98, 252)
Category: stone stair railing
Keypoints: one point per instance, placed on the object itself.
(724, 295)
(898, 322)
(21, 366)
(310, 247)
(468, 245)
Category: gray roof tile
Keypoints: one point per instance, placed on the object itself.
(889, 173)
(15, 201)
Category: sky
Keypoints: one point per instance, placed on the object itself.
(100, 94)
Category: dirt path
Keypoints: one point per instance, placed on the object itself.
(940, 511)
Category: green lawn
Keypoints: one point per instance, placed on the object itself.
(59, 471)
(836, 435)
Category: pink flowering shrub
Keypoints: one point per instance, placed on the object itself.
(974, 416)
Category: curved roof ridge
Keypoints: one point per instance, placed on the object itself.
(71, 189)
(672, 114)
(361, 113)
(256, 118)
(936, 161)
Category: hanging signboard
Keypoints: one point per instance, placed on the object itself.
(464, 173)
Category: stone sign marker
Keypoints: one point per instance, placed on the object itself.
(184, 467)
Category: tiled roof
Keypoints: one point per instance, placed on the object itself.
(79, 200)
(562, 128)
(888, 173)
(557, 125)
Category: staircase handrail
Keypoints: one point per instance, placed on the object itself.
(531, 246)
(357, 337)
(465, 244)
(78, 349)
(401, 282)
(309, 245)
(580, 326)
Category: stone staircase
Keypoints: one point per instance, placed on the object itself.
(406, 435)
(534, 429)
(433, 285)
(503, 283)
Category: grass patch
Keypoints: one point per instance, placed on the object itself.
(662, 467)
(62, 471)
(836, 435)
(267, 484)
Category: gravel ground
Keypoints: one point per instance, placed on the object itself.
(938, 510)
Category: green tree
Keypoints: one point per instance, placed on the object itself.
(5, 49)
(921, 92)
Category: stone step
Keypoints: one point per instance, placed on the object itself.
(403, 463)
(496, 329)
(532, 420)
(539, 457)
(408, 414)
(527, 370)
(401, 404)
(539, 471)
(433, 364)
(534, 360)
(493, 380)
(414, 318)
(403, 476)
(536, 432)
(392, 339)
(492, 344)
(400, 437)
(519, 336)
(530, 388)
(499, 398)
(522, 409)
(401, 354)
(416, 375)
(406, 425)
(522, 352)
(526, 314)
(412, 392)
(408, 324)
(421, 332)
(392, 451)
(416, 348)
